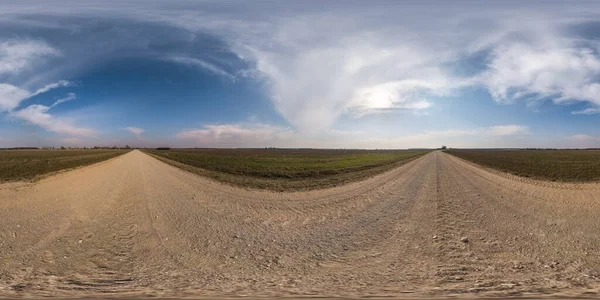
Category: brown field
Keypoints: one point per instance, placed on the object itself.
(285, 169)
(554, 165)
(31, 164)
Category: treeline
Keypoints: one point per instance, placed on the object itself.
(66, 148)
(20, 148)
(562, 149)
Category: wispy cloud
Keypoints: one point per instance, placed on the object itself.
(587, 111)
(584, 137)
(238, 135)
(46, 88)
(505, 130)
(17, 55)
(69, 97)
(135, 130)
(11, 96)
(556, 70)
(313, 82)
(320, 66)
(202, 64)
(38, 115)
(73, 141)
(584, 141)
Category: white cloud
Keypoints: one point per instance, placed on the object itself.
(393, 95)
(238, 135)
(38, 115)
(46, 88)
(70, 96)
(506, 130)
(17, 55)
(584, 137)
(263, 135)
(312, 82)
(584, 141)
(73, 141)
(202, 64)
(11, 96)
(494, 136)
(135, 130)
(558, 70)
(587, 111)
(366, 59)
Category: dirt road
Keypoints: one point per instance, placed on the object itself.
(435, 226)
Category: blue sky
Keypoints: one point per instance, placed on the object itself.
(331, 74)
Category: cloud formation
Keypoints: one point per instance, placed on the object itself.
(38, 115)
(238, 135)
(322, 65)
(313, 82)
(263, 135)
(587, 111)
(562, 73)
(11, 96)
(69, 97)
(18, 55)
(136, 131)
(199, 63)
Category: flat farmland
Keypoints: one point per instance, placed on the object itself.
(286, 169)
(30, 164)
(554, 165)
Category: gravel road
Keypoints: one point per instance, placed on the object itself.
(436, 226)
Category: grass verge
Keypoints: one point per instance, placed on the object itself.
(18, 165)
(285, 170)
(553, 165)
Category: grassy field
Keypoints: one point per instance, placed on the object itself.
(555, 165)
(279, 169)
(30, 164)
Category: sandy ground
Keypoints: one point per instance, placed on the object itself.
(436, 226)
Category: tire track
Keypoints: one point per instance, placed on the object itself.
(152, 229)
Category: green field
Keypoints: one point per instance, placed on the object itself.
(30, 164)
(555, 165)
(283, 169)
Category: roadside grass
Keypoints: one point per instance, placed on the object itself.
(18, 165)
(553, 165)
(285, 169)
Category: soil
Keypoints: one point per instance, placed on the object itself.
(436, 226)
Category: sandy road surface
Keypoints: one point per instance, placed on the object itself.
(136, 226)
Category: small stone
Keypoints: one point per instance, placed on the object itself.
(435, 237)
(80, 241)
(464, 239)
(236, 236)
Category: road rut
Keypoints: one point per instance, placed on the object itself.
(435, 226)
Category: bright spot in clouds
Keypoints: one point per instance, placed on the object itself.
(301, 74)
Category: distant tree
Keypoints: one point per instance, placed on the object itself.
(62, 147)
(444, 147)
(127, 147)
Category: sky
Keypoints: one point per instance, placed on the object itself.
(319, 74)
